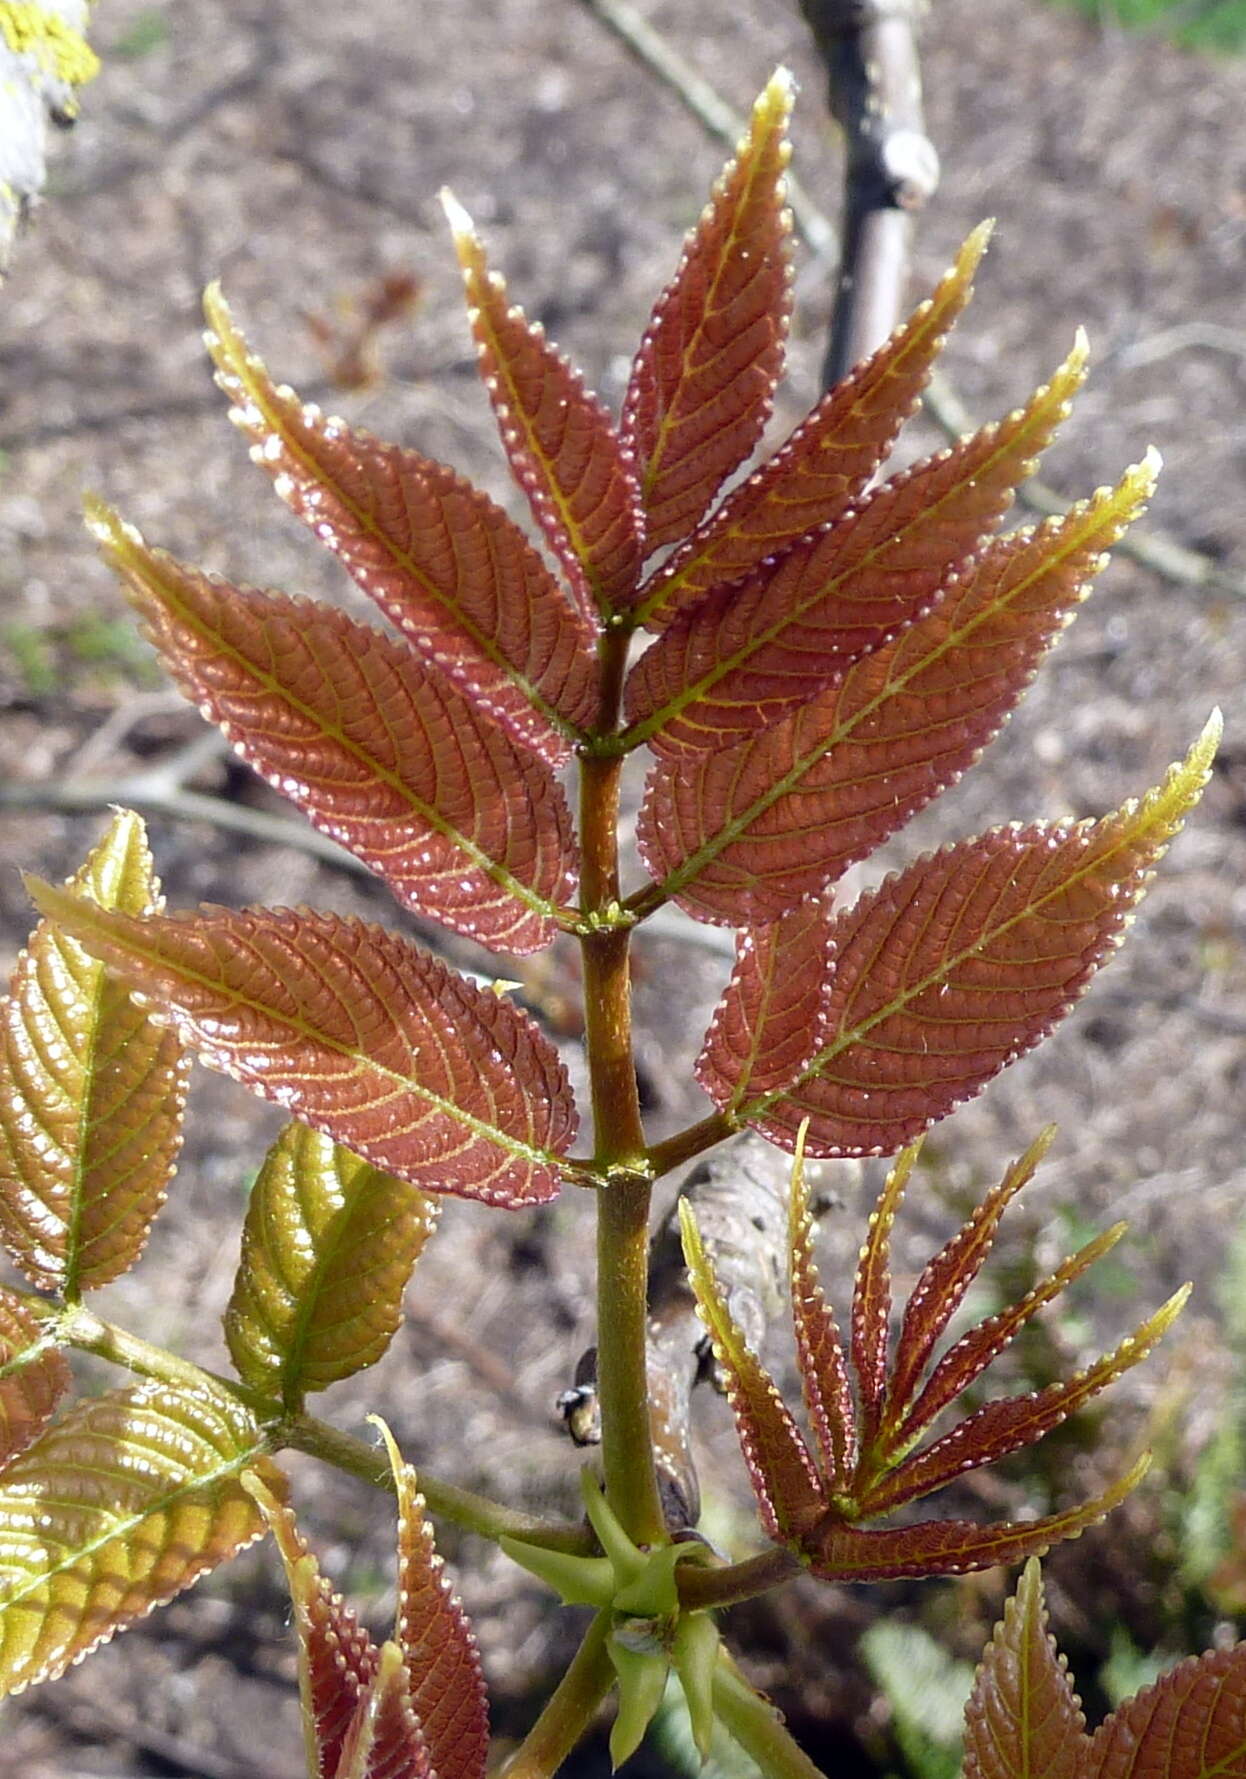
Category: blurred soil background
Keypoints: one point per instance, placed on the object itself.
(296, 153)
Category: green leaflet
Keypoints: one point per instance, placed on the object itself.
(327, 1249)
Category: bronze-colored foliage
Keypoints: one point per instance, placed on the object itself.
(863, 1464)
(34, 1375)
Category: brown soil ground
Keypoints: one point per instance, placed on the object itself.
(296, 152)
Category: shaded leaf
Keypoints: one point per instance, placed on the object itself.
(34, 1375)
(955, 967)
(392, 763)
(785, 1480)
(327, 1249)
(871, 1297)
(91, 1092)
(827, 461)
(563, 449)
(973, 1352)
(1190, 1725)
(999, 1428)
(447, 1687)
(741, 833)
(744, 656)
(1023, 1720)
(117, 1507)
(356, 1032)
(941, 1288)
(771, 1020)
(819, 1348)
(337, 1659)
(443, 562)
(700, 388)
(953, 1547)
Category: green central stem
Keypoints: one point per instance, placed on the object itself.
(619, 1153)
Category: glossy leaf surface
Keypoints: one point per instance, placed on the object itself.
(399, 767)
(327, 1249)
(771, 1021)
(120, 1505)
(441, 560)
(384, 1740)
(357, 1033)
(91, 1092)
(562, 446)
(34, 1375)
(742, 833)
(702, 382)
(958, 965)
(744, 656)
(871, 1297)
(827, 461)
(821, 1360)
(1190, 1725)
(1023, 1720)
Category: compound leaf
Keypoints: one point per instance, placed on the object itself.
(397, 766)
(34, 1375)
(955, 967)
(441, 560)
(770, 1021)
(1023, 1720)
(741, 833)
(91, 1092)
(999, 1428)
(117, 1507)
(826, 462)
(819, 1346)
(438, 1645)
(785, 1480)
(327, 1249)
(701, 385)
(944, 1281)
(954, 1547)
(356, 1032)
(563, 449)
(337, 1659)
(744, 656)
(1190, 1725)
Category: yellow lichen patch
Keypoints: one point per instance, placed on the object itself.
(29, 29)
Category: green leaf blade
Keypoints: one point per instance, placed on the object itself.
(91, 1091)
(327, 1249)
(357, 1033)
(117, 1507)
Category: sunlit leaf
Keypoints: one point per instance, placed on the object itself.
(327, 1249)
(1000, 1428)
(770, 1021)
(828, 460)
(563, 449)
(337, 1658)
(91, 1092)
(785, 1480)
(1023, 1720)
(117, 1507)
(445, 564)
(958, 965)
(384, 1739)
(741, 833)
(871, 1296)
(819, 1346)
(744, 656)
(397, 766)
(941, 1288)
(447, 1687)
(700, 388)
(1190, 1725)
(356, 1032)
(34, 1375)
(954, 1547)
